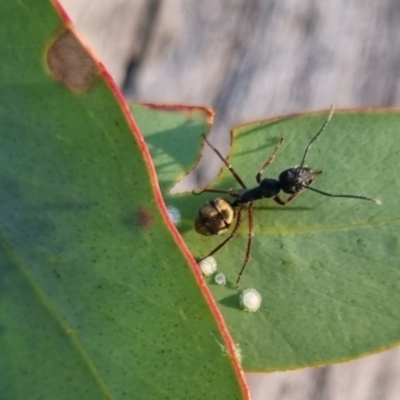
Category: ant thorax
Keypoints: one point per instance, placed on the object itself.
(267, 188)
(293, 180)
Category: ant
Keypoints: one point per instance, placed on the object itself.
(216, 216)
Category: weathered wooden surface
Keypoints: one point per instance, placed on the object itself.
(250, 60)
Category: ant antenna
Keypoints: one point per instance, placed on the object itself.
(315, 137)
(344, 195)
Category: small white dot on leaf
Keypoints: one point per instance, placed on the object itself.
(250, 300)
(220, 278)
(208, 266)
(174, 214)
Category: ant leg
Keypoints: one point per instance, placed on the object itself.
(230, 192)
(281, 202)
(233, 233)
(249, 240)
(268, 162)
(229, 166)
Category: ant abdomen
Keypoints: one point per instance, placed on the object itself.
(214, 217)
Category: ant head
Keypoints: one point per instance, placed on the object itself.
(293, 180)
(214, 217)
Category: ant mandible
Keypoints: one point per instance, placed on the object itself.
(216, 216)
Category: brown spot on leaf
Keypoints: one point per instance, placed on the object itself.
(145, 218)
(142, 218)
(71, 63)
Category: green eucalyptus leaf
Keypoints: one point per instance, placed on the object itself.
(173, 135)
(327, 268)
(96, 298)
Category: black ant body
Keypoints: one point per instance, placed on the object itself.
(216, 216)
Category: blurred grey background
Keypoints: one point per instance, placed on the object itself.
(253, 60)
